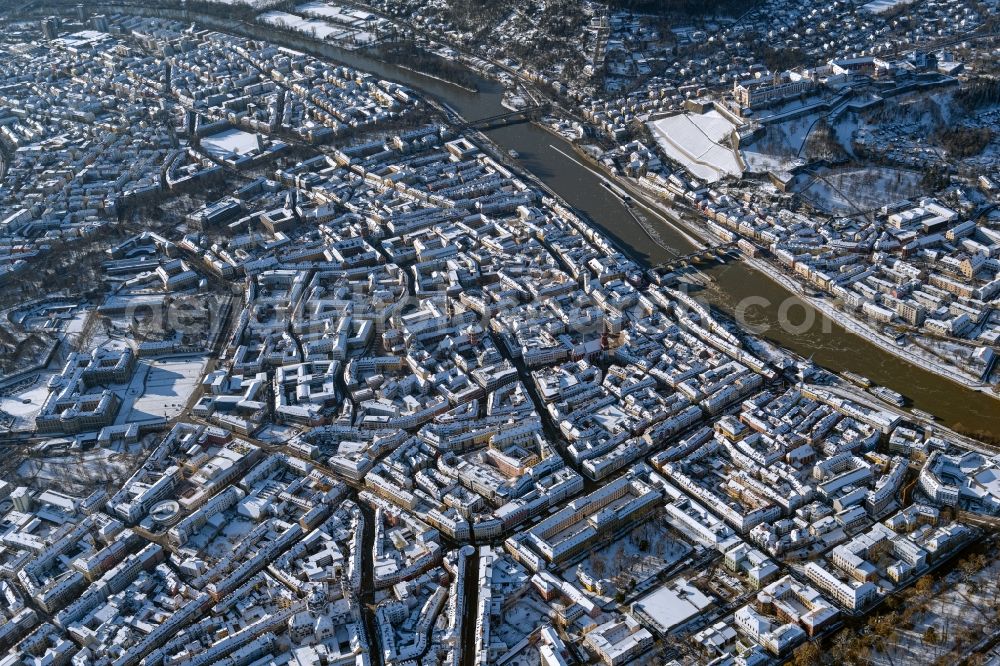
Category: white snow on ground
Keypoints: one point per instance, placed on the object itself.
(232, 141)
(852, 191)
(351, 25)
(796, 132)
(25, 412)
(73, 471)
(160, 389)
(700, 143)
(336, 12)
(362, 37)
(782, 140)
(955, 602)
(319, 29)
(346, 26)
(216, 544)
(883, 6)
(758, 162)
(276, 433)
(845, 128)
(523, 616)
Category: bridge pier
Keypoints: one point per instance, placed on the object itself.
(720, 253)
(504, 119)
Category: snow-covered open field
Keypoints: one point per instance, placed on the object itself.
(316, 28)
(338, 13)
(160, 389)
(229, 142)
(28, 401)
(700, 143)
(345, 26)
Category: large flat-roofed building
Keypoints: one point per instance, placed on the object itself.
(769, 88)
(860, 65)
(670, 606)
(599, 514)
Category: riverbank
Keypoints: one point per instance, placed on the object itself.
(397, 60)
(436, 78)
(845, 321)
(847, 390)
(546, 154)
(543, 153)
(674, 218)
(853, 326)
(649, 229)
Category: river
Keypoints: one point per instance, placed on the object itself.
(552, 160)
